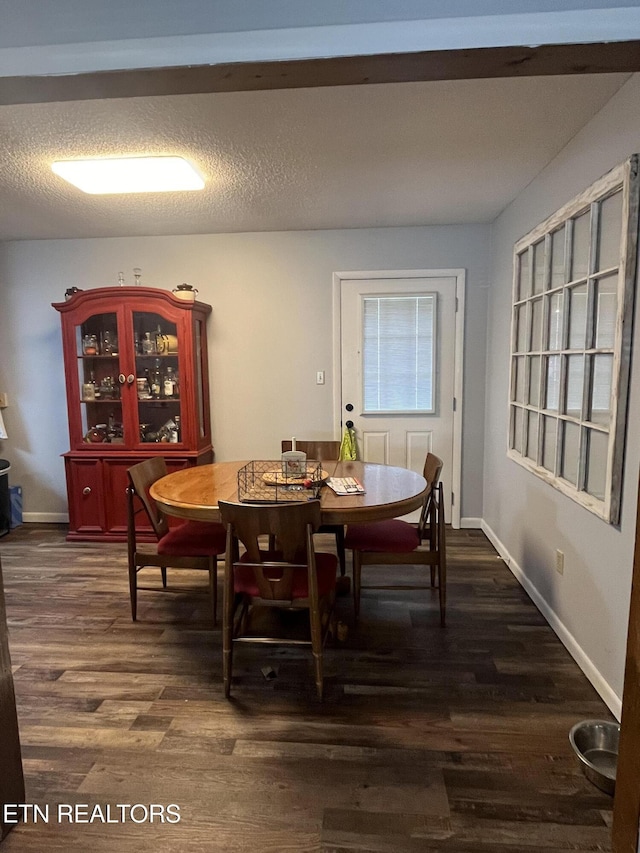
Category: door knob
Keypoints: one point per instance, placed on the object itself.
(130, 378)
(349, 407)
(349, 424)
(122, 379)
(86, 490)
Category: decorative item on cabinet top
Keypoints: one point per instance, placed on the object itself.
(186, 293)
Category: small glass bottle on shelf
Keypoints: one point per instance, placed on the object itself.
(161, 341)
(109, 345)
(148, 346)
(90, 345)
(88, 392)
(169, 383)
(96, 387)
(155, 380)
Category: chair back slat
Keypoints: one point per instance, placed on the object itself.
(289, 528)
(141, 477)
(431, 472)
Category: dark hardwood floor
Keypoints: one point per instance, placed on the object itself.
(429, 739)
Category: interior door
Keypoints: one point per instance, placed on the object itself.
(398, 352)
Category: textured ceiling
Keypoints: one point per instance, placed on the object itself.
(345, 157)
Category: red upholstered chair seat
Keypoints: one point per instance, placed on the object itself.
(194, 539)
(392, 536)
(326, 565)
(191, 545)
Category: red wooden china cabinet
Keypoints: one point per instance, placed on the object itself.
(137, 382)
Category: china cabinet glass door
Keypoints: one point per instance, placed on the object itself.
(157, 378)
(98, 355)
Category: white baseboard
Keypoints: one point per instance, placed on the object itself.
(608, 695)
(469, 522)
(45, 517)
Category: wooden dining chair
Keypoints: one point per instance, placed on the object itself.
(292, 577)
(396, 542)
(321, 450)
(191, 545)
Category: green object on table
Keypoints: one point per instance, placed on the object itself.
(348, 447)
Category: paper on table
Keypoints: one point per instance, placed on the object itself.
(3, 431)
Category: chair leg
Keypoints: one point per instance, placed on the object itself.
(163, 572)
(133, 590)
(227, 631)
(357, 572)
(432, 542)
(213, 587)
(316, 648)
(341, 550)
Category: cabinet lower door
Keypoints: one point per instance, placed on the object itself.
(115, 498)
(85, 492)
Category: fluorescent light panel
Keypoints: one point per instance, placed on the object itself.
(130, 175)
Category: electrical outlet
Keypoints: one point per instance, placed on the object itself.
(560, 562)
(4, 401)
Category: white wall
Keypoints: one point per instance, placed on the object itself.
(528, 519)
(270, 331)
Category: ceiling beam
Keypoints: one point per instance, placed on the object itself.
(557, 59)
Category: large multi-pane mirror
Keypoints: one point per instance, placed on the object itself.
(574, 282)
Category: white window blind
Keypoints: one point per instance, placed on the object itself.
(398, 353)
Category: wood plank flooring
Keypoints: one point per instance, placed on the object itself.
(429, 739)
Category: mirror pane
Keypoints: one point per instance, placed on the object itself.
(601, 389)
(570, 449)
(534, 380)
(536, 325)
(516, 427)
(532, 436)
(575, 382)
(577, 316)
(538, 267)
(610, 232)
(553, 383)
(521, 328)
(555, 321)
(518, 384)
(557, 257)
(606, 310)
(523, 275)
(549, 427)
(597, 463)
(580, 254)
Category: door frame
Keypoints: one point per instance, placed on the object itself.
(457, 403)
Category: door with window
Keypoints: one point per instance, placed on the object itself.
(398, 365)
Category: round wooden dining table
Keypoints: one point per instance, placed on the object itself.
(194, 493)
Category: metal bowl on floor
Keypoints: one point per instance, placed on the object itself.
(595, 742)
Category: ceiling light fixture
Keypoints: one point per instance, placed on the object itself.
(130, 175)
